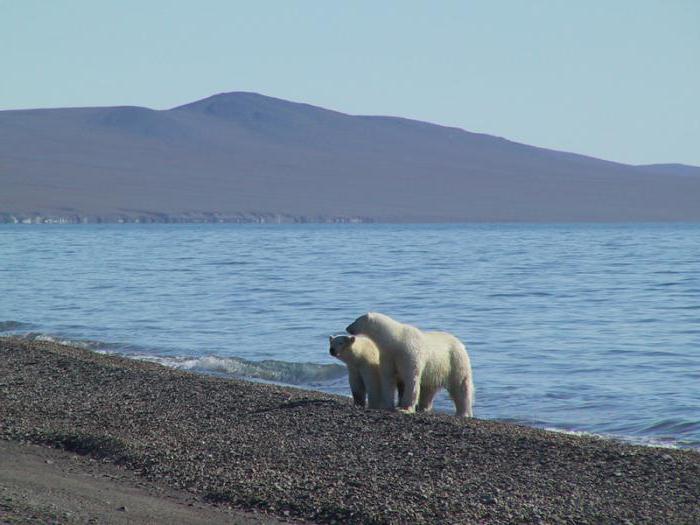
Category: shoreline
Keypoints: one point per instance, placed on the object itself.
(297, 454)
(262, 378)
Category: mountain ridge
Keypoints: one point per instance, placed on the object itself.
(242, 156)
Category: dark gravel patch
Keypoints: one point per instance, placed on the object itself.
(313, 456)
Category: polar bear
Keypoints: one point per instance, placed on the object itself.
(423, 361)
(361, 356)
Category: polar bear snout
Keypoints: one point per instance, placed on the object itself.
(338, 344)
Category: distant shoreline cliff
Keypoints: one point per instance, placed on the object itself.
(160, 218)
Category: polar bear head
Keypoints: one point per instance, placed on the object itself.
(341, 347)
(361, 325)
(370, 323)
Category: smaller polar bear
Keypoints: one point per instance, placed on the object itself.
(361, 356)
(423, 361)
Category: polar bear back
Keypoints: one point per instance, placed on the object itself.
(444, 353)
(392, 336)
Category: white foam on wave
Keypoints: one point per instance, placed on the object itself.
(632, 440)
(31, 336)
(269, 370)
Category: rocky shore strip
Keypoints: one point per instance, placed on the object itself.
(136, 217)
(310, 456)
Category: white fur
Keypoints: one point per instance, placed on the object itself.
(361, 356)
(423, 361)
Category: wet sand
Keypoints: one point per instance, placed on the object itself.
(39, 484)
(301, 455)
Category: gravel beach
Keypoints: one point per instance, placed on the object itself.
(308, 456)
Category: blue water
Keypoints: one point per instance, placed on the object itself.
(591, 328)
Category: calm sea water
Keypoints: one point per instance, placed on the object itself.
(591, 328)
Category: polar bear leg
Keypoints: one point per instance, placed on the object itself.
(357, 387)
(388, 384)
(425, 401)
(410, 377)
(373, 383)
(462, 394)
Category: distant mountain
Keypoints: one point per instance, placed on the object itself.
(675, 169)
(248, 157)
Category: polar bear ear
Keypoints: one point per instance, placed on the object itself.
(330, 338)
(351, 339)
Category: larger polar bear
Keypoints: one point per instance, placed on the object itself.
(423, 361)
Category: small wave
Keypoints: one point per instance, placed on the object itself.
(127, 350)
(268, 370)
(34, 336)
(97, 346)
(666, 284)
(12, 326)
(227, 263)
(647, 441)
(674, 426)
(510, 295)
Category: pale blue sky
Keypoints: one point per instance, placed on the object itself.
(616, 79)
